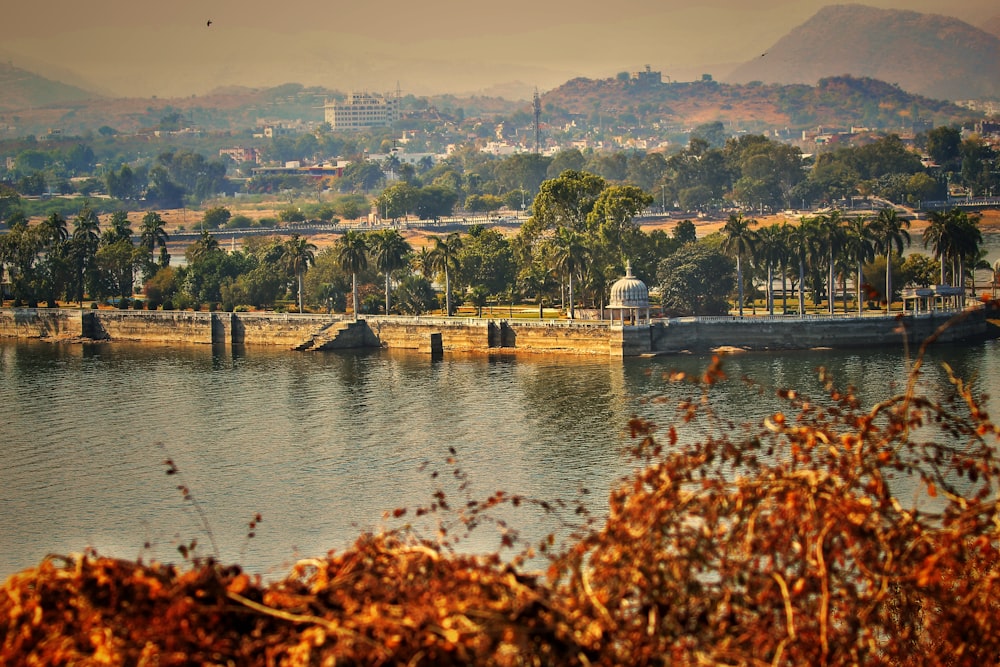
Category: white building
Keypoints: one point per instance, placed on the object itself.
(362, 110)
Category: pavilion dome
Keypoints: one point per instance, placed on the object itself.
(629, 292)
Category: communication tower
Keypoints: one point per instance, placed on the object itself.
(538, 127)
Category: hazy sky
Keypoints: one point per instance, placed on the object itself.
(144, 48)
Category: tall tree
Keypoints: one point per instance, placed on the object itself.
(565, 201)
(444, 258)
(956, 239)
(739, 242)
(831, 235)
(771, 250)
(351, 252)
(55, 264)
(389, 250)
(804, 245)
(206, 245)
(152, 233)
(85, 239)
(891, 234)
(613, 215)
(570, 255)
(859, 245)
(297, 255)
(55, 229)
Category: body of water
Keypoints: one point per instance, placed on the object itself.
(321, 444)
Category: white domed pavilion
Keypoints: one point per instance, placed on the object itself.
(629, 301)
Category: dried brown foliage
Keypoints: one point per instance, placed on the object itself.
(381, 602)
(785, 543)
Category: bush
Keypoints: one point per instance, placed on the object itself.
(239, 221)
(291, 215)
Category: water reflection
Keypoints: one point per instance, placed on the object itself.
(322, 443)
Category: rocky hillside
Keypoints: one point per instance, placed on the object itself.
(926, 54)
(835, 101)
(24, 90)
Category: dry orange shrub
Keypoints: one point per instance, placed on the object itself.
(780, 545)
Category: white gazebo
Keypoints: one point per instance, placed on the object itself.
(932, 299)
(629, 301)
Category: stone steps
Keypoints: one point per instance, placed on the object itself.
(323, 337)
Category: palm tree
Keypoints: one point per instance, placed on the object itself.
(55, 229)
(570, 256)
(297, 254)
(771, 250)
(890, 233)
(787, 233)
(420, 261)
(739, 241)
(351, 251)
(804, 245)
(203, 247)
(389, 250)
(152, 234)
(939, 235)
(859, 245)
(831, 236)
(444, 257)
(118, 228)
(85, 239)
(968, 246)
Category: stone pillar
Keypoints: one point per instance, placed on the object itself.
(222, 329)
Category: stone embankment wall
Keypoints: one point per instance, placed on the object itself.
(439, 335)
(758, 333)
(150, 327)
(41, 323)
(479, 334)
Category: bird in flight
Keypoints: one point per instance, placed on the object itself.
(208, 23)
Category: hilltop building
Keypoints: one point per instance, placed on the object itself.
(646, 77)
(362, 110)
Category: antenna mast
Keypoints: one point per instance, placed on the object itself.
(538, 115)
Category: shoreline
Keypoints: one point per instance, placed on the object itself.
(438, 335)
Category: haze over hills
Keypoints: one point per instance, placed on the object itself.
(992, 26)
(923, 57)
(429, 48)
(927, 54)
(25, 90)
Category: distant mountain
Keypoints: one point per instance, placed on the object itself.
(928, 54)
(616, 104)
(841, 101)
(25, 90)
(992, 26)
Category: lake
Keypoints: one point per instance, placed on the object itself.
(321, 444)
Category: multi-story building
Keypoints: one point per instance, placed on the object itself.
(361, 110)
(240, 154)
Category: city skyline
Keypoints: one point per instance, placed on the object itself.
(122, 49)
